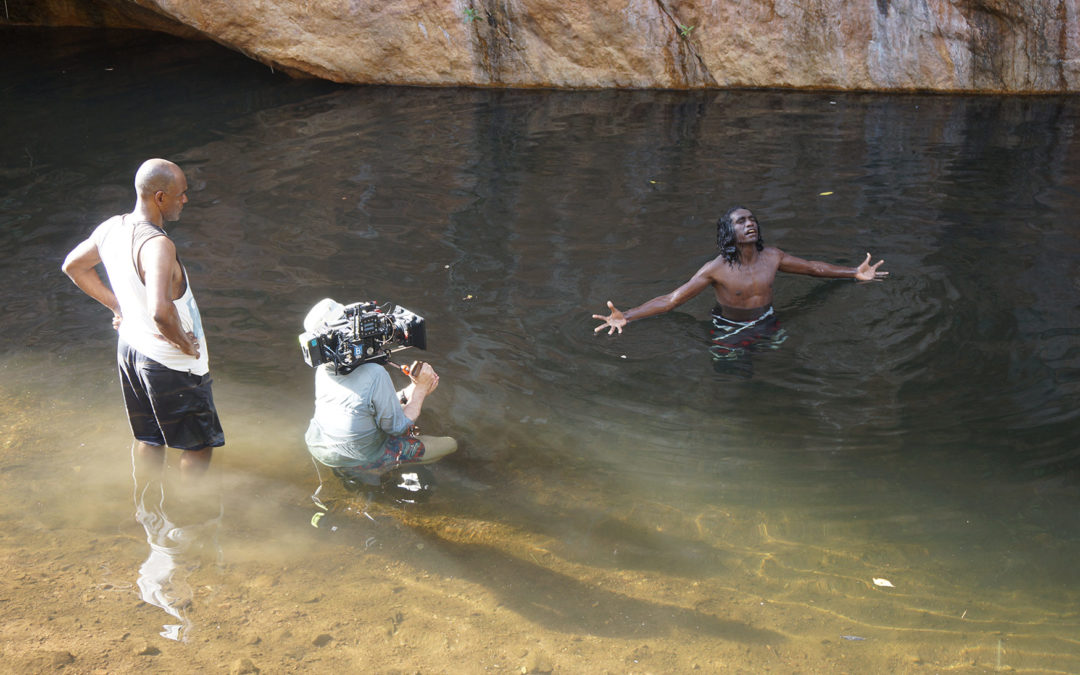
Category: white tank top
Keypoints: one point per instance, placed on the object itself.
(118, 240)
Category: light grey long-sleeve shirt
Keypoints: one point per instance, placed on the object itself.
(354, 415)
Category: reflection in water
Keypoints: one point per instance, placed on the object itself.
(179, 543)
(401, 485)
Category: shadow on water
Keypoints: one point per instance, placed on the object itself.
(566, 604)
(464, 536)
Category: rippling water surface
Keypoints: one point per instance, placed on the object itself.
(627, 497)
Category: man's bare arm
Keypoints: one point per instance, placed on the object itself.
(816, 268)
(79, 266)
(157, 258)
(658, 305)
(423, 382)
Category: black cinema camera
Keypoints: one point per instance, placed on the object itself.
(358, 333)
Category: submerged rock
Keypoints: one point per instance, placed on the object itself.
(140, 647)
(46, 661)
(243, 667)
(942, 45)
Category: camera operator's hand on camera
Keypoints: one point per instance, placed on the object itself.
(424, 376)
(424, 381)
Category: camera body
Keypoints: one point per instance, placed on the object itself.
(359, 333)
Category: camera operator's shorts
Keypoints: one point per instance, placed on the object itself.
(166, 406)
(398, 451)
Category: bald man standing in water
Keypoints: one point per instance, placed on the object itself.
(161, 350)
(742, 277)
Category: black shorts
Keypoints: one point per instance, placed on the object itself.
(166, 406)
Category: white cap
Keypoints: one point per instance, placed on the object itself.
(326, 312)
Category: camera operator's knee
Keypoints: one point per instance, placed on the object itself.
(437, 447)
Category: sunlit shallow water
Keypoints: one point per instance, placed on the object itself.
(625, 503)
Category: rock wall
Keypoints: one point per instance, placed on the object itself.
(941, 45)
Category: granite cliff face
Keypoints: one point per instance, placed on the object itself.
(941, 45)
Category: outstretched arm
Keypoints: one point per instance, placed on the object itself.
(663, 303)
(816, 268)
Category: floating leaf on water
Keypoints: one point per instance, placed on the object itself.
(883, 582)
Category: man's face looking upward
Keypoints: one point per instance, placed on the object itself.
(746, 227)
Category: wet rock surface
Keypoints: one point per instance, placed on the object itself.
(940, 45)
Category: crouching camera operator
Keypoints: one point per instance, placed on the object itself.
(362, 428)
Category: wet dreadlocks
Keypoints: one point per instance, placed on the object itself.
(725, 236)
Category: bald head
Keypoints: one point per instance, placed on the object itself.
(161, 188)
(156, 175)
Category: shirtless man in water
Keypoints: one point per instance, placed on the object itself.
(742, 277)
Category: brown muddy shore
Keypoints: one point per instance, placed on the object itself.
(470, 581)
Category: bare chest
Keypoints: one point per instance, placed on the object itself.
(746, 285)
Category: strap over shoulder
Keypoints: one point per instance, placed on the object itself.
(142, 232)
